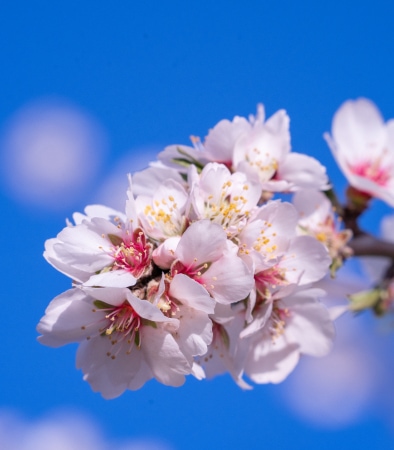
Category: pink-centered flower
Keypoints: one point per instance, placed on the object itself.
(124, 340)
(104, 248)
(279, 256)
(257, 147)
(128, 336)
(363, 146)
(205, 255)
(295, 325)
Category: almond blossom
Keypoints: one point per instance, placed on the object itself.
(120, 338)
(268, 350)
(297, 324)
(363, 146)
(256, 147)
(317, 219)
(130, 336)
(205, 255)
(204, 272)
(101, 248)
(281, 257)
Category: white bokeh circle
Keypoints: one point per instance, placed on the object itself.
(51, 152)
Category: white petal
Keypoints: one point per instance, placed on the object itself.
(149, 180)
(162, 353)
(272, 362)
(358, 130)
(131, 211)
(108, 376)
(306, 261)
(219, 143)
(191, 293)
(258, 322)
(310, 324)
(202, 242)
(228, 280)
(303, 172)
(148, 311)
(164, 254)
(56, 261)
(103, 212)
(198, 371)
(313, 206)
(194, 333)
(114, 278)
(111, 295)
(68, 318)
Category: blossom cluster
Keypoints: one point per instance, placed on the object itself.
(208, 269)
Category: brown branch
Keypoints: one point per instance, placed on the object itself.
(367, 245)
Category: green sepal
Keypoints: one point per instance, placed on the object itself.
(332, 196)
(137, 338)
(203, 269)
(149, 323)
(187, 160)
(105, 270)
(115, 240)
(225, 337)
(365, 299)
(99, 304)
(336, 264)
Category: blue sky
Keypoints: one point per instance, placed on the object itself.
(128, 79)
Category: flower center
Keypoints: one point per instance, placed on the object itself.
(270, 278)
(278, 320)
(231, 208)
(122, 319)
(373, 171)
(166, 215)
(132, 254)
(195, 271)
(121, 325)
(264, 163)
(167, 305)
(263, 243)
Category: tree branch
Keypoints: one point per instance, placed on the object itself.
(367, 245)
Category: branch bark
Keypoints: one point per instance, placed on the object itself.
(367, 245)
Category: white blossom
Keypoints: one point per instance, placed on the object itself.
(363, 146)
(202, 273)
